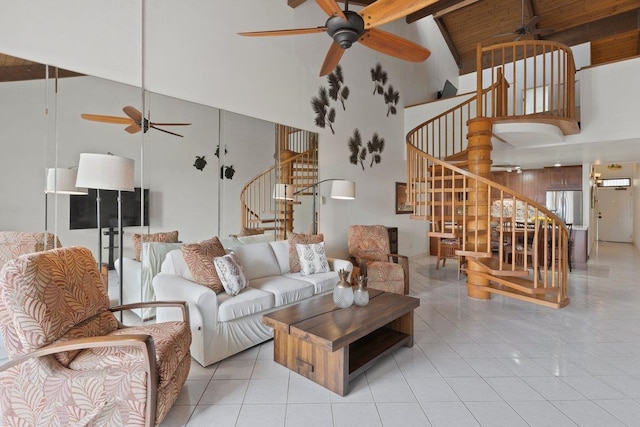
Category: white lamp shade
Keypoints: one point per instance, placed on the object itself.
(105, 172)
(63, 181)
(344, 190)
(283, 192)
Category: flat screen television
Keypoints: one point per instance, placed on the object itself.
(82, 209)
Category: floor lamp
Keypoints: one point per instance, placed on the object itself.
(340, 189)
(59, 181)
(106, 172)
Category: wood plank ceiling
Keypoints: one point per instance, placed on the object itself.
(612, 26)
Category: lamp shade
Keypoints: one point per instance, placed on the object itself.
(283, 192)
(105, 172)
(344, 190)
(63, 181)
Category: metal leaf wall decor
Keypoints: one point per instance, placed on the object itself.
(359, 151)
(325, 114)
(391, 96)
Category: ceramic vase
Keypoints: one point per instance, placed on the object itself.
(361, 294)
(343, 292)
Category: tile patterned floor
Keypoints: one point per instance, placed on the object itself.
(474, 363)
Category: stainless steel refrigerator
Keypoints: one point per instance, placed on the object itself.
(567, 205)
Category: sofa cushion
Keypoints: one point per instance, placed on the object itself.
(258, 260)
(303, 239)
(322, 282)
(281, 251)
(312, 258)
(165, 237)
(248, 301)
(175, 264)
(285, 289)
(230, 273)
(199, 258)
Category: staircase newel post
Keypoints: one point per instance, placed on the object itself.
(479, 158)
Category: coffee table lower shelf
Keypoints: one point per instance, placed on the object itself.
(364, 352)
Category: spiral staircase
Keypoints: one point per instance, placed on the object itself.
(296, 166)
(511, 245)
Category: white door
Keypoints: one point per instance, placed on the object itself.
(615, 214)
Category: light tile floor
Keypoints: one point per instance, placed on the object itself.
(474, 363)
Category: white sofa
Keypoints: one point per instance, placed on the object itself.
(223, 325)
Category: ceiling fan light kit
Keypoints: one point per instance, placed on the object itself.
(345, 33)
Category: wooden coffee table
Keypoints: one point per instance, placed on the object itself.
(332, 346)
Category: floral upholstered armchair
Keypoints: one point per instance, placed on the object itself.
(71, 362)
(369, 252)
(16, 243)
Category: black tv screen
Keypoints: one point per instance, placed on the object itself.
(82, 209)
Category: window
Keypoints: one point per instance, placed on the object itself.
(614, 182)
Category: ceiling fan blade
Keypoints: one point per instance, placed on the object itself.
(170, 124)
(291, 32)
(393, 45)
(504, 34)
(532, 22)
(331, 60)
(166, 131)
(543, 31)
(133, 128)
(383, 11)
(135, 115)
(331, 8)
(107, 119)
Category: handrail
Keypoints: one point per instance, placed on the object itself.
(541, 76)
(256, 196)
(517, 233)
(541, 244)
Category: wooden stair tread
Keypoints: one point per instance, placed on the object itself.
(547, 300)
(460, 155)
(492, 267)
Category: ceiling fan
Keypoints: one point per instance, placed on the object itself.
(528, 28)
(347, 27)
(135, 121)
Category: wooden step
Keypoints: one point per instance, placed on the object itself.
(492, 267)
(459, 156)
(549, 299)
(524, 285)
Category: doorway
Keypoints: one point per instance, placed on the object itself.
(615, 214)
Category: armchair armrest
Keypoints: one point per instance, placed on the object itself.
(181, 304)
(141, 341)
(403, 260)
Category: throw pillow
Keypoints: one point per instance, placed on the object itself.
(231, 274)
(199, 258)
(313, 259)
(164, 237)
(300, 239)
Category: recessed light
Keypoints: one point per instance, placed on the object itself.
(557, 165)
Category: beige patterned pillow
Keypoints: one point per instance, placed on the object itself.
(199, 258)
(300, 239)
(231, 274)
(164, 237)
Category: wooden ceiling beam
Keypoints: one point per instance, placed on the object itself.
(438, 9)
(594, 30)
(295, 3)
(449, 41)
